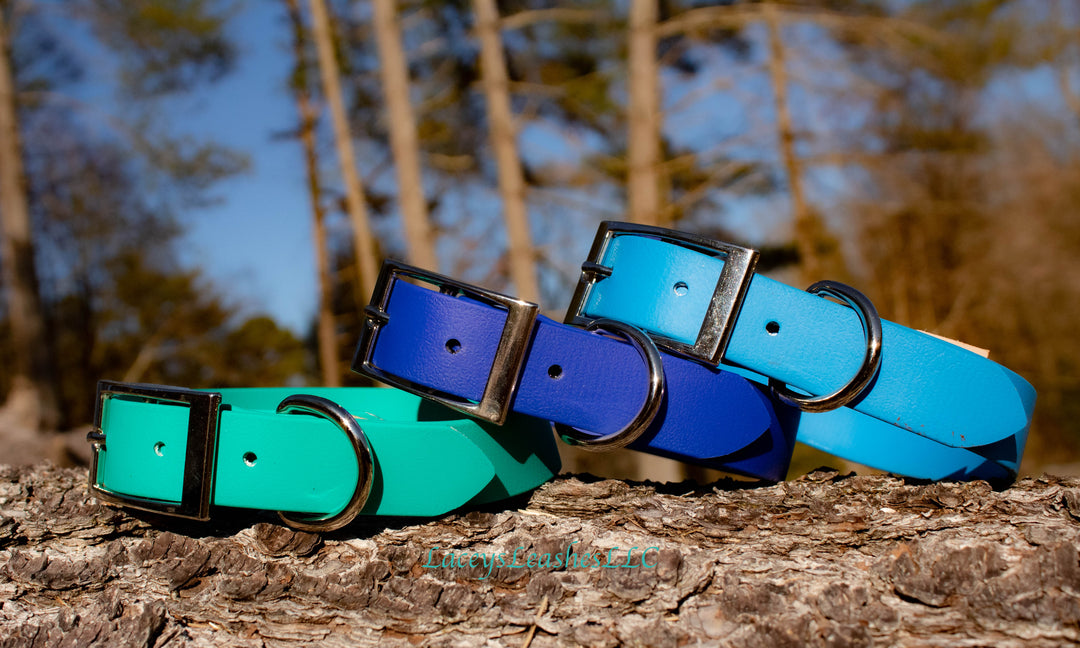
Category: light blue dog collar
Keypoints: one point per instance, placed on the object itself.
(919, 406)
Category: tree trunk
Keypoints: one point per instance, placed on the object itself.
(1063, 36)
(366, 266)
(643, 164)
(403, 139)
(826, 560)
(31, 403)
(807, 227)
(327, 336)
(522, 258)
(643, 140)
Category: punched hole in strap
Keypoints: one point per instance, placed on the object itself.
(772, 327)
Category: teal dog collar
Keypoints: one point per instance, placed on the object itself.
(320, 457)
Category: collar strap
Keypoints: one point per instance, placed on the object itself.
(928, 409)
(487, 354)
(366, 451)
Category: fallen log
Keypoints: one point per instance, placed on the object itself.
(826, 560)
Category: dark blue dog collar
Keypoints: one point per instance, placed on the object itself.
(487, 354)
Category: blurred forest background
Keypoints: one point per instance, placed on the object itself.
(925, 151)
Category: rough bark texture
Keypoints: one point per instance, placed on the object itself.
(825, 560)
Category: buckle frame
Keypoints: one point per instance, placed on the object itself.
(505, 373)
(727, 298)
(199, 457)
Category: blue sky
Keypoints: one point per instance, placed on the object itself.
(256, 243)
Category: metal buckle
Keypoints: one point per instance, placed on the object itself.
(715, 331)
(494, 404)
(871, 324)
(199, 459)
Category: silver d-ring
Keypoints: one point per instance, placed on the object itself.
(871, 324)
(655, 397)
(364, 457)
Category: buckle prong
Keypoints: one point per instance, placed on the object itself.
(595, 271)
(377, 314)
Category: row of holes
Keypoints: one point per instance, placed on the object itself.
(453, 345)
(554, 372)
(249, 457)
(680, 288)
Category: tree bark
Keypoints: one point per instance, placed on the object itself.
(643, 141)
(326, 334)
(522, 258)
(32, 402)
(826, 560)
(403, 140)
(364, 242)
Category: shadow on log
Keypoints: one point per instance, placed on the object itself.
(827, 560)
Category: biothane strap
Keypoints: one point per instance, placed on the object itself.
(934, 410)
(445, 344)
(427, 459)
